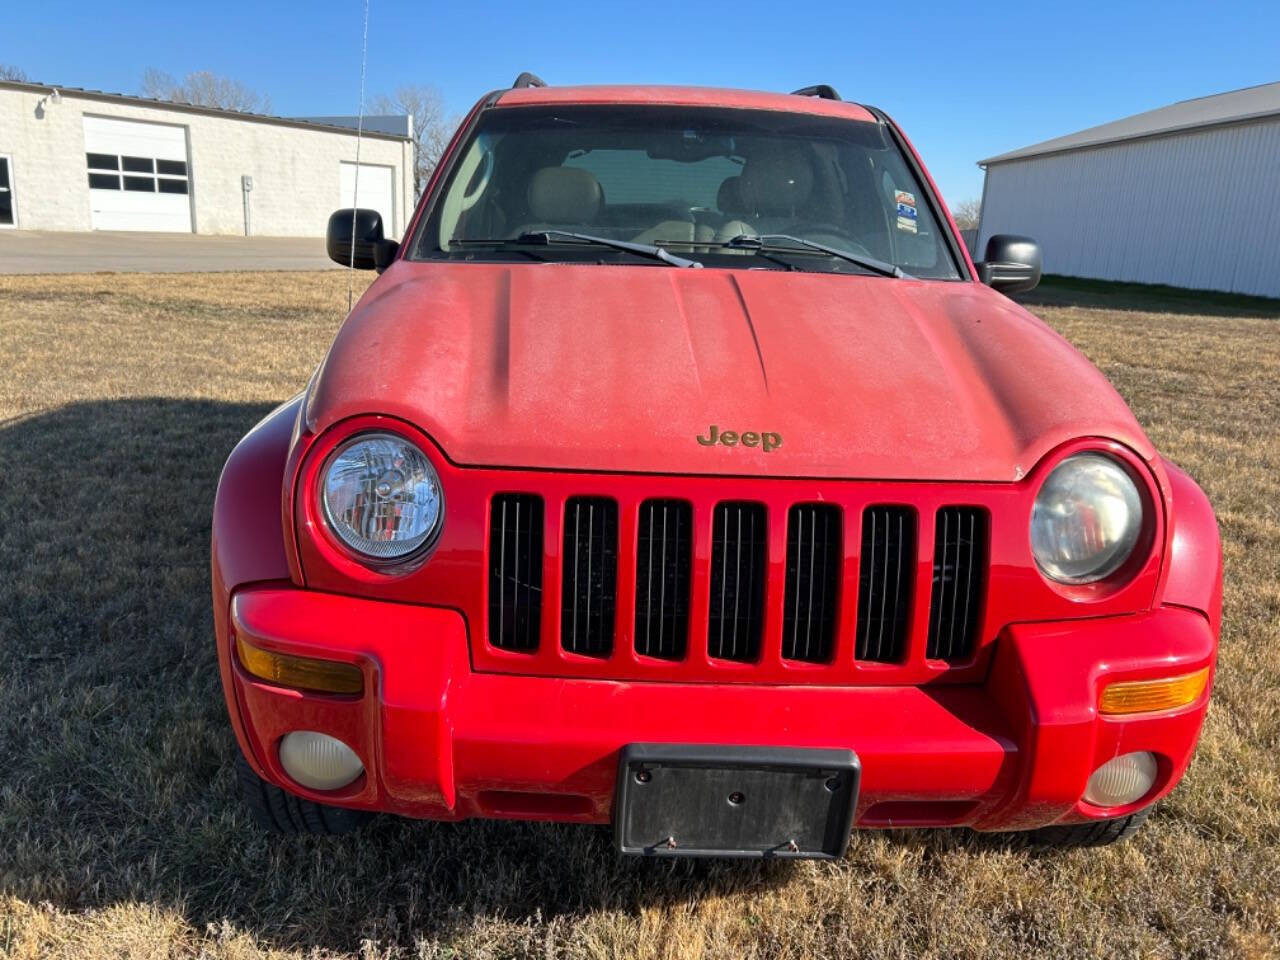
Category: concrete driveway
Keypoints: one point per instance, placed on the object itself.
(39, 251)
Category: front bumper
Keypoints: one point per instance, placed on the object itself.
(441, 741)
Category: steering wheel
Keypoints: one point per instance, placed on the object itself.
(814, 231)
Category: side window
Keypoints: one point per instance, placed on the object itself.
(633, 177)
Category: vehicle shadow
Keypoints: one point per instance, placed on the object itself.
(1058, 291)
(118, 785)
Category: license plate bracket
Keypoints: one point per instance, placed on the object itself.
(693, 800)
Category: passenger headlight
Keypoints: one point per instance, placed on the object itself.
(1086, 520)
(381, 496)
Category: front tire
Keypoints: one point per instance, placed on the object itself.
(278, 811)
(1100, 834)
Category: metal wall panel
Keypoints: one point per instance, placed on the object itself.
(1199, 209)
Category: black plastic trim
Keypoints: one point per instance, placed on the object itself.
(674, 568)
(950, 605)
(524, 612)
(738, 610)
(878, 604)
(591, 534)
(823, 91)
(811, 596)
(527, 79)
(831, 763)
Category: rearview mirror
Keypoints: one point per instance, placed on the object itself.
(1011, 264)
(354, 237)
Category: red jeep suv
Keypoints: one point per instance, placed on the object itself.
(681, 471)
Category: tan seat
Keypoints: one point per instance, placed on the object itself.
(563, 198)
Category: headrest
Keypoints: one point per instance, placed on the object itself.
(776, 183)
(564, 195)
(729, 197)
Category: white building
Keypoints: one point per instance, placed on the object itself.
(1187, 195)
(84, 160)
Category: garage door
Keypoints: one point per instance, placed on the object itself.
(139, 175)
(376, 192)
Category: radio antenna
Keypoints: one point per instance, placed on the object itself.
(355, 186)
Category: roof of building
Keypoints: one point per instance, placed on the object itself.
(385, 128)
(397, 125)
(1237, 106)
(684, 97)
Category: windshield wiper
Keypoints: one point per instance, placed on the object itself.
(746, 241)
(642, 249)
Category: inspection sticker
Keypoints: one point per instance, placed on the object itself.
(906, 210)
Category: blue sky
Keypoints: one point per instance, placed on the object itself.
(964, 81)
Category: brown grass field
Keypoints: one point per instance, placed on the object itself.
(120, 834)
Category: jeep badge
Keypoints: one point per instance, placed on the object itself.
(768, 442)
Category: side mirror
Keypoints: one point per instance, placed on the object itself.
(1012, 263)
(359, 231)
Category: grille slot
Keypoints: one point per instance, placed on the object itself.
(590, 582)
(884, 582)
(959, 571)
(662, 578)
(515, 571)
(735, 615)
(813, 572)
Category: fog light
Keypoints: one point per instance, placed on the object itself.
(1122, 781)
(318, 761)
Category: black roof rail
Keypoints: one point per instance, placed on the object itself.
(822, 90)
(528, 79)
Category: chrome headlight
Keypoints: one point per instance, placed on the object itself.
(381, 496)
(1086, 520)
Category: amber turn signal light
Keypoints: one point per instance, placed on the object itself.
(1146, 696)
(321, 676)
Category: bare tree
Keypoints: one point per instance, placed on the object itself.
(204, 89)
(9, 72)
(432, 126)
(967, 213)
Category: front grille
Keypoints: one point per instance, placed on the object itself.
(813, 576)
(589, 584)
(959, 571)
(638, 586)
(664, 539)
(735, 617)
(884, 582)
(515, 571)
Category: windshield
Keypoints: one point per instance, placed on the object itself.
(696, 181)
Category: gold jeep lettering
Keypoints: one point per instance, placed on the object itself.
(768, 442)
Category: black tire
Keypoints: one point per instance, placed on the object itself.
(1099, 834)
(278, 811)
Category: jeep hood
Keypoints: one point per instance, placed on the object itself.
(621, 368)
